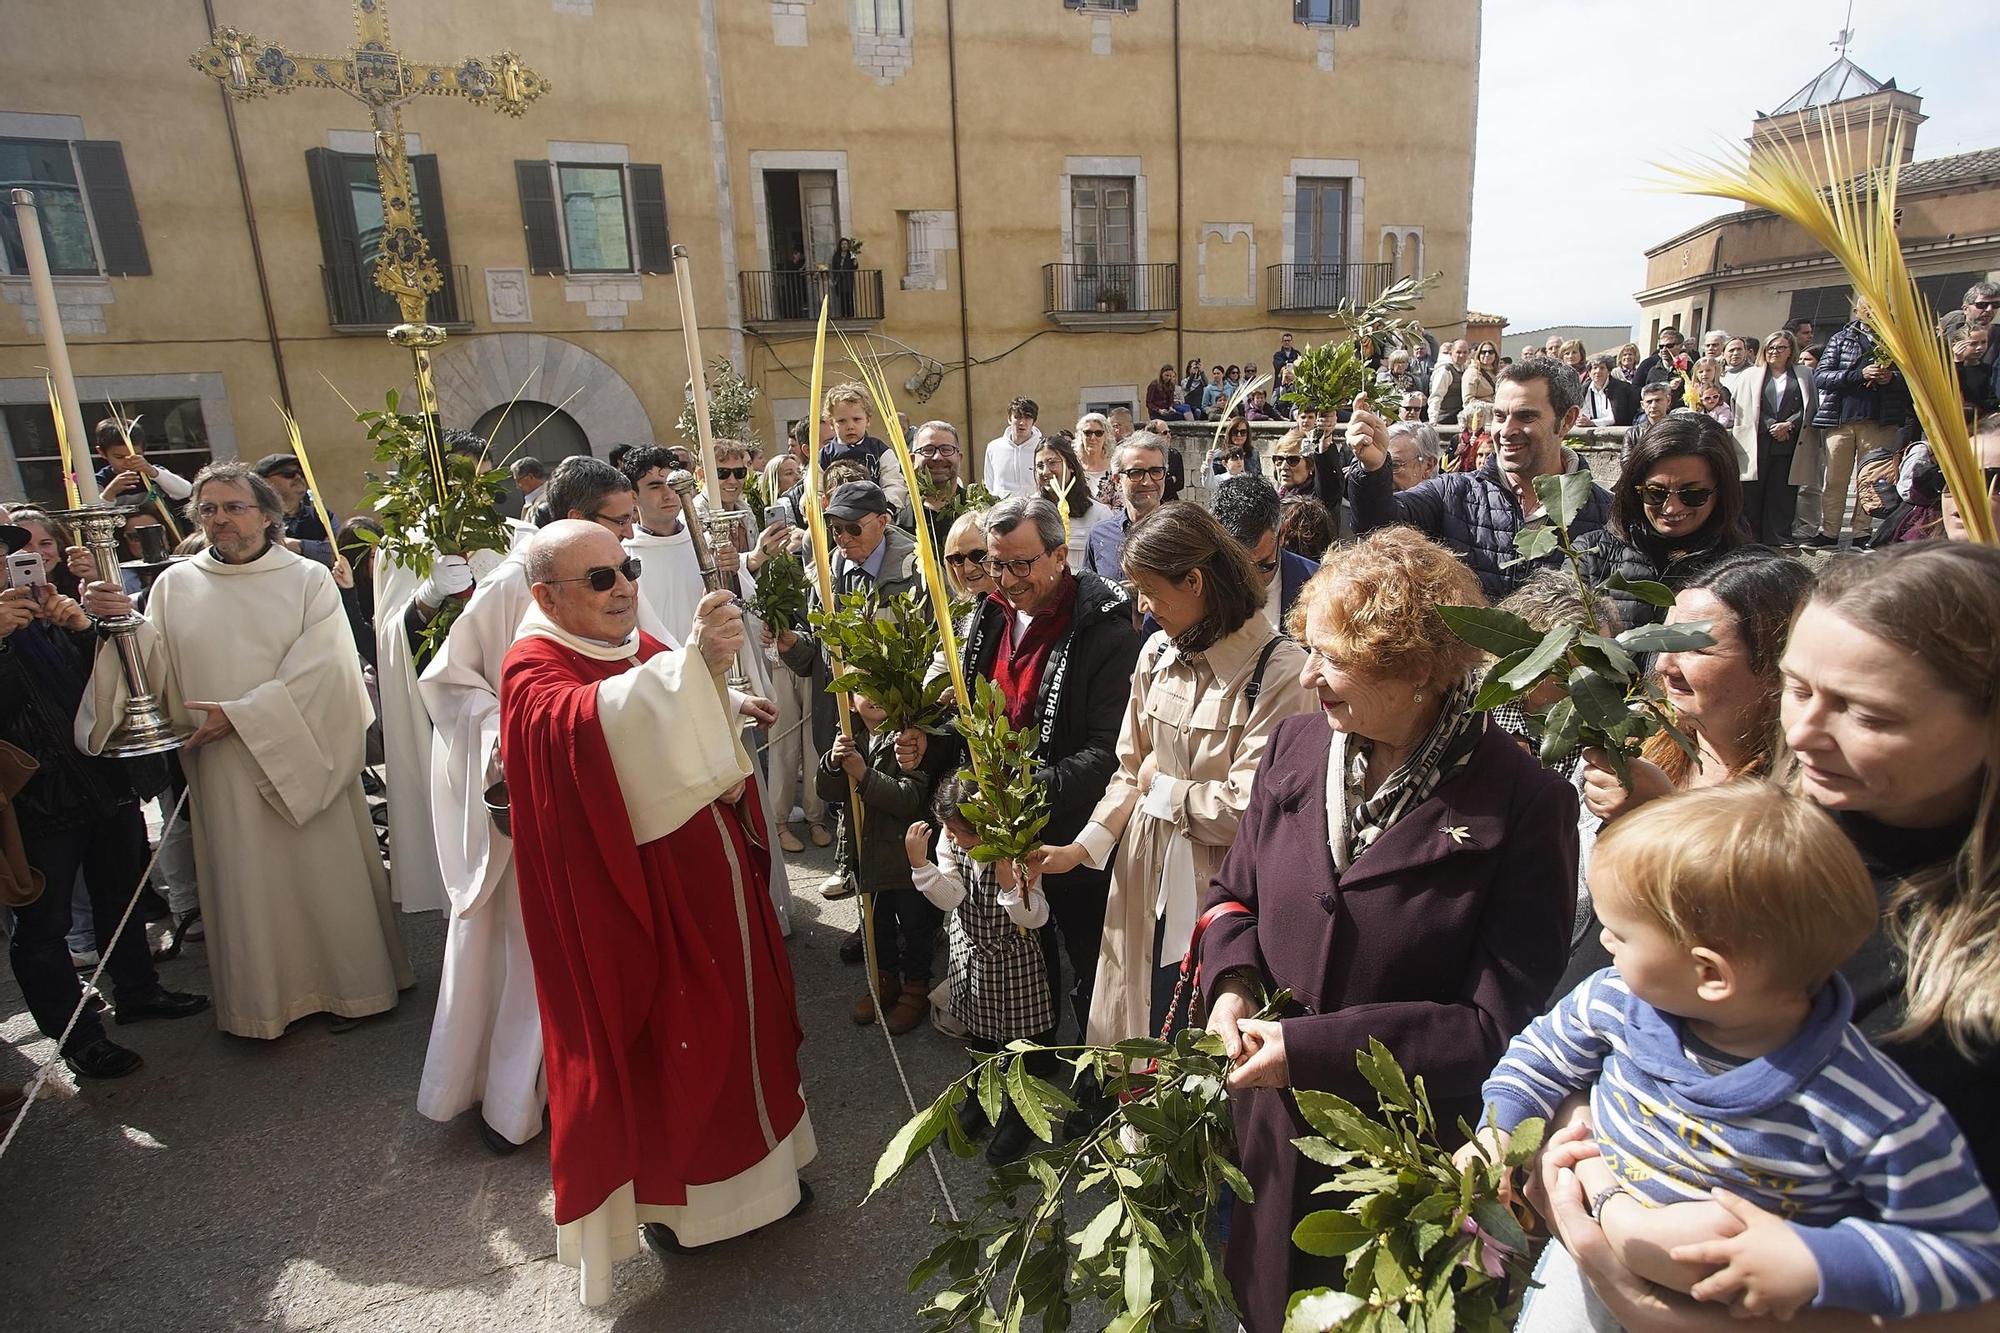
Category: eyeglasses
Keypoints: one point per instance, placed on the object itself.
(1154, 473)
(1691, 497)
(732, 473)
(1266, 566)
(974, 558)
(603, 578)
(288, 474)
(1286, 460)
(937, 451)
(1090, 433)
(846, 529)
(233, 508)
(1020, 569)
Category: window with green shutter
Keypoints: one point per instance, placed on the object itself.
(90, 222)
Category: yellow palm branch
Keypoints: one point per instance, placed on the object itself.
(1854, 219)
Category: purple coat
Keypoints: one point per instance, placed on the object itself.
(1444, 948)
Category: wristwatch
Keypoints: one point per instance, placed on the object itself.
(1602, 1197)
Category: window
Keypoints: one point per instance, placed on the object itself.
(884, 18)
(1327, 13)
(1102, 6)
(174, 433)
(90, 225)
(1100, 209)
(347, 202)
(1827, 307)
(588, 217)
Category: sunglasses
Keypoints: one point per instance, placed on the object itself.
(1286, 460)
(1691, 497)
(1020, 569)
(732, 473)
(1985, 305)
(845, 529)
(1266, 566)
(605, 577)
(974, 558)
(1154, 473)
(1093, 433)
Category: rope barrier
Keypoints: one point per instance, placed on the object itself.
(90, 987)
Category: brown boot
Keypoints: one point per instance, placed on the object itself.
(912, 1007)
(864, 1009)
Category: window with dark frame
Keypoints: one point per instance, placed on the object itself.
(90, 223)
(173, 432)
(1102, 6)
(594, 217)
(1327, 13)
(347, 205)
(883, 18)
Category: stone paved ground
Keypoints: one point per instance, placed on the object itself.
(292, 1184)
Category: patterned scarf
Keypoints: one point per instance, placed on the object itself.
(1444, 749)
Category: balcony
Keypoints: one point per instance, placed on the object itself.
(1323, 286)
(782, 297)
(1110, 295)
(354, 304)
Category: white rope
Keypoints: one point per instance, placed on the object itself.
(90, 986)
(910, 1097)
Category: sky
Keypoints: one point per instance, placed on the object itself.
(1578, 98)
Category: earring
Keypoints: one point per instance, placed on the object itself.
(1416, 696)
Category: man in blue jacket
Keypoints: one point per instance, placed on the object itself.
(1535, 405)
(1247, 508)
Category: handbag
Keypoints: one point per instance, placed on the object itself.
(20, 883)
(1190, 969)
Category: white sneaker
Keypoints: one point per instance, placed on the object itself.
(835, 887)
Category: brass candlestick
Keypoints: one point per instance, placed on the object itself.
(706, 535)
(146, 728)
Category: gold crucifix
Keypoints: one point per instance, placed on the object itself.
(376, 75)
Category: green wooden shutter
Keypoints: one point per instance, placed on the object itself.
(538, 218)
(649, 218)
(449, 305)
(109, 192)
(339, 246)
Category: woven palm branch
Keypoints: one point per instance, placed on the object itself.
(1855, 220)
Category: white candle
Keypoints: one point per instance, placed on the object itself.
(29, 220)
(691, 336)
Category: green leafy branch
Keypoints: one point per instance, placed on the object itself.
(1608, 701)
(973, 498)
(1328, 376)
(1148, 1178)
(730, 397)
(1009, 804)
(782, 593)
(1425, 1245)
(885, 651)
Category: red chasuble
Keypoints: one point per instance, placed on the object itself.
(666, 996)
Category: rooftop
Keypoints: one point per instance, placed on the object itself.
(1838, 82)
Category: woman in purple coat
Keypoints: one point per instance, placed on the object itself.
(1408, 873)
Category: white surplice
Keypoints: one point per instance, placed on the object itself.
(669, 577)
(414, 879)
(293, 893)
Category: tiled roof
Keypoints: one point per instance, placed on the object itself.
(1474, 317)
(1838, 82)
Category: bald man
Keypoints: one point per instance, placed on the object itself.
(668, 1013)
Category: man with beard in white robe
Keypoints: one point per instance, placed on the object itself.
(486, 1041)
(249, 649)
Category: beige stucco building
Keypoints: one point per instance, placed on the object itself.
(1750, 271)
(1055, 198)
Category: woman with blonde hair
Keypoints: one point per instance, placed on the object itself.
(1477, 385)
(1627, 368)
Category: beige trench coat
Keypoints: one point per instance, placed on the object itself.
(1190, 714)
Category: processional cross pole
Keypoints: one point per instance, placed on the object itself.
(375, 74)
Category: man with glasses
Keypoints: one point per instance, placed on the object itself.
(1976, 311)
(1668, 361)
(671, 1031)
(1141, 466)
(1061, 648)
(486, 1036)
(870, 555)
(249, 648)
(937, 454)
(1414, 453)
(304, 533)
(1415, 403)
(1247, 508)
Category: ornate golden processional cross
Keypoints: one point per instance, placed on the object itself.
(376, 75)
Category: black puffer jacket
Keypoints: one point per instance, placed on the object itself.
(1606, 553)
(1474, 513)
(1084, 692)
(43, 671)
(1843, 395)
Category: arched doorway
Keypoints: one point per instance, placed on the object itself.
(528, 429)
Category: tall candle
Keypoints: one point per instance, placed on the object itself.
(691, 336)
(66, 409)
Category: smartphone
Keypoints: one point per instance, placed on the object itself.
(25, 570)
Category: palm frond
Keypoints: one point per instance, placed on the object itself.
(1854, 219)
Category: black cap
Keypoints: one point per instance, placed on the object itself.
(855, 500)
(270, 463)
(16, 539)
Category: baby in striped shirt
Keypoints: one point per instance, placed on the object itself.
(1719, 1060)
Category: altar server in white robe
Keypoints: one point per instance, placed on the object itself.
(249, 649)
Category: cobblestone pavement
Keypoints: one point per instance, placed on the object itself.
(292, 1184)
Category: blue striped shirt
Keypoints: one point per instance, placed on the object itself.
(1825, 1131)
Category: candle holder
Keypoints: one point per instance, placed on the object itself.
(146, 728)
(706, 534)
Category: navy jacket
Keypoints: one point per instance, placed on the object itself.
(1842, 395)
(1293, 571)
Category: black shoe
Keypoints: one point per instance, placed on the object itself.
(660, 1241)
(1093, 1108)
(972, 1118)
(1820, 541)
(852, 951)
(496, 1143)
(1010, 1140)
(103, 1058)
(156, 1001)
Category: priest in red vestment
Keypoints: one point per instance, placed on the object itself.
(666, 996)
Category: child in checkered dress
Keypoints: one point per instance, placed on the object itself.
(1000, 991)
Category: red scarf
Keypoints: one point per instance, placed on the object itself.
(1018, 667)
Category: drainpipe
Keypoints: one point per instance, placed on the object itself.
(1180, 201)
(250, 219)
(958, 216)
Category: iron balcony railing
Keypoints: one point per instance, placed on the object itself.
(1324, 286)
(1110, 289)
(354, 303)
(783, 296)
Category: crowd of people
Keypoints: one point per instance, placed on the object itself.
(1756, 964)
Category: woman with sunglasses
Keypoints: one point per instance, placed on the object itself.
(1236, 454)
(1092, 442)
(1677, 507)
(1479, 383)
(1064, 481)
(965, 558)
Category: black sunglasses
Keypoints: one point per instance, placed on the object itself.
(846, 529)
(958, 558)
(732, 473)
(605, 577)
(1093, 432)
(1286, 460)
(1266, 566)
(1692, 497)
